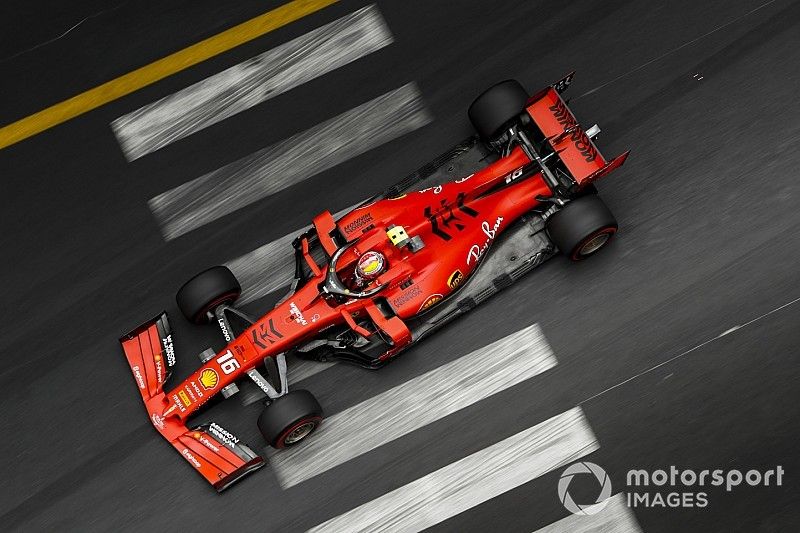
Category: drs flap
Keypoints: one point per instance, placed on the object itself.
(574, 147)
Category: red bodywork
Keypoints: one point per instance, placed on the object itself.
(457, 222)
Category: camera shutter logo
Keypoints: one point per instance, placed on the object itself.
(584, 468)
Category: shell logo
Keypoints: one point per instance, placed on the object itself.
(209, 378)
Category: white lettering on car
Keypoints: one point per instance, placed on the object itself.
(297, 314)
(137, 373)
(223, 435)
(169, 349)
(208, 444)
(476, 251)
(436, 190)
(227, 362)
(514, 175)
(178, 403)
(158, 420)
(224, 330)
(186, 453)
(159, 369)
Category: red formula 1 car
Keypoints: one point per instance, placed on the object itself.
(369, 285)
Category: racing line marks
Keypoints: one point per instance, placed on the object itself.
(158, 70)
(673, 50)
(474, 479)
(251, 82)
(416, 403)
(692, 349)
(63, 33)
(286, 163)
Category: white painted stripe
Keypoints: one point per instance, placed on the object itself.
(272, 169)
(266, 269)
(416, 403)
(300, 369)
(615, 517)
(251, 82)
(474, 479)
(270, 267)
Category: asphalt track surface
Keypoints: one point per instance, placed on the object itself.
(707, 204)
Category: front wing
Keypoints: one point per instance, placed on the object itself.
(213, 451)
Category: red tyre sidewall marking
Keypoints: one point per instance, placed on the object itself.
(576, 255)
(280, 440)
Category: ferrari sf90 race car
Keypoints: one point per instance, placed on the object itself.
(392, 270)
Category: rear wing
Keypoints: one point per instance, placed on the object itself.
(566, 136)
(213, 451)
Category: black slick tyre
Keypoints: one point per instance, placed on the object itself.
(290, 419)
(207, 290)
(497, 107)
(582, 227)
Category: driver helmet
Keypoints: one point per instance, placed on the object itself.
(370, 265)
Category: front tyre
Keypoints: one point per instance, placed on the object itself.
(290, 419)
(582, 227)
(206, 291)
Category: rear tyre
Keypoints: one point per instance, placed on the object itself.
(206, 291)
(582, 227)
(290, 419)
(497, 107)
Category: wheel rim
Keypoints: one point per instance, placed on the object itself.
(300, 432)
(594, 243)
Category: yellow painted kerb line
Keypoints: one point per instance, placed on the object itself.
(144, 76)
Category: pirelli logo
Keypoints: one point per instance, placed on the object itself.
(184, 398)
